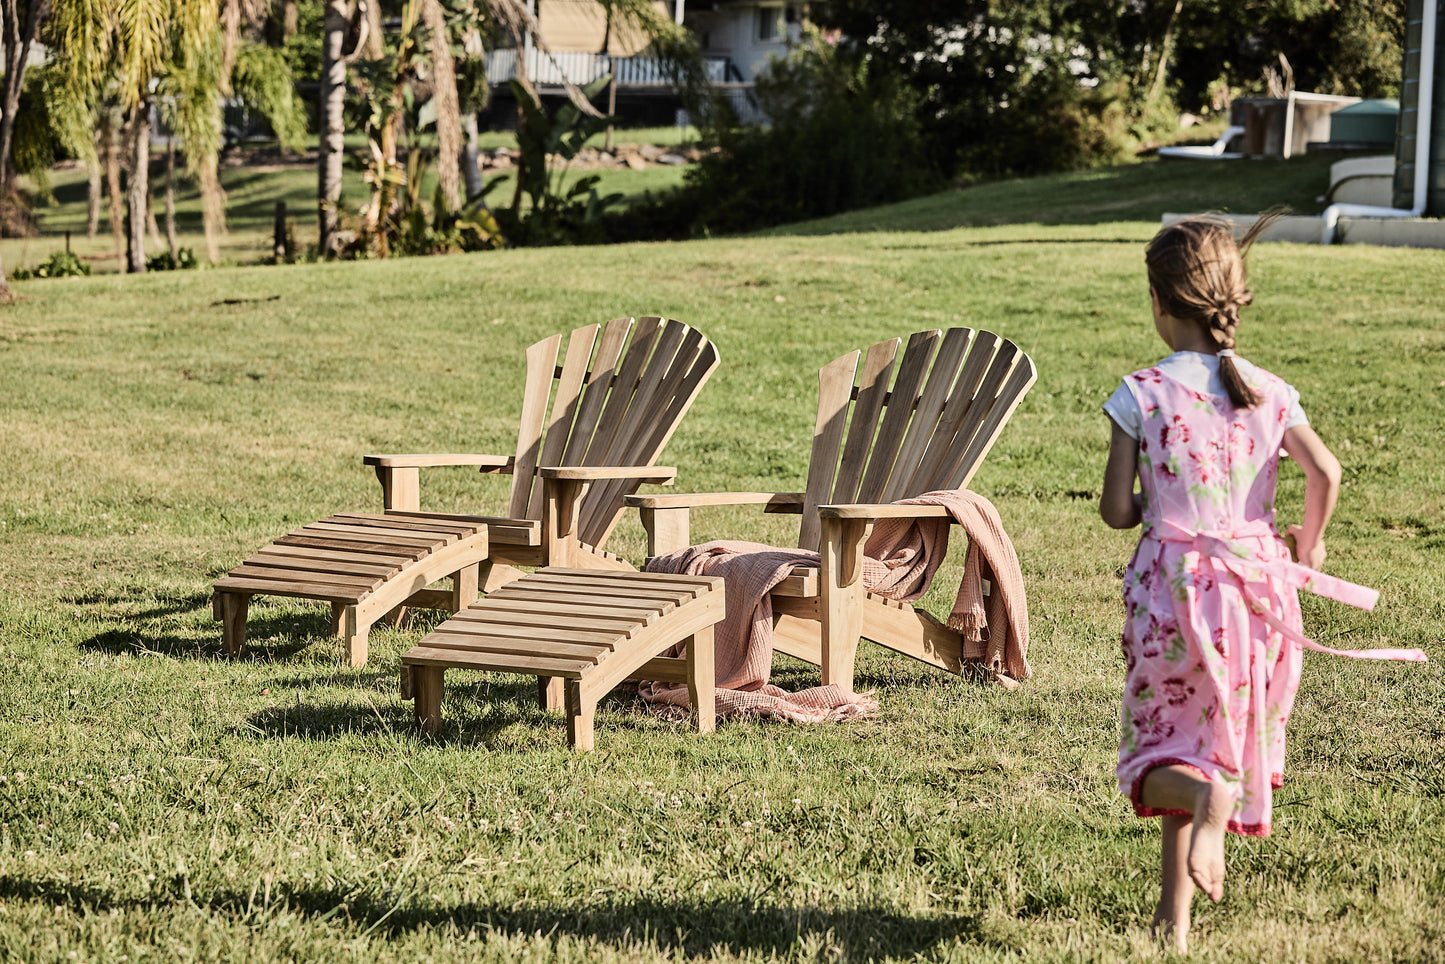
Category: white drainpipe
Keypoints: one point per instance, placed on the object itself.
(1429, 14)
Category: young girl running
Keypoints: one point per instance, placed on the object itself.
(1212, 635)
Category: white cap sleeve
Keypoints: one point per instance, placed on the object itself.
(1123, 408)
(1296, 414)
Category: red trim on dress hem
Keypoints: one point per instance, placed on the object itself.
(1234, 826)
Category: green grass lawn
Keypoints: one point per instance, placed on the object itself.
(160, 801)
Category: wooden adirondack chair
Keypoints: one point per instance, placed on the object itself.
(591, 431)
(950, 400)
(613, 407)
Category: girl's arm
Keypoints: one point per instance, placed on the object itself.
(1119, 504)
(1322, 488)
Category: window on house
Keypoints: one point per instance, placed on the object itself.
(770, 24)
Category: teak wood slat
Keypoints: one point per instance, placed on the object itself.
(586, 670)
(614, 401)
(951, 396)
(329, 571)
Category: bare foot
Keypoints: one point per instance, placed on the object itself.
(1166, 931)
(1206, 843)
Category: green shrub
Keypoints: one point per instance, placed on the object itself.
(839, 136)
(185, 259)
(61, 264)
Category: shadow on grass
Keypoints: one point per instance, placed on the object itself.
(676, 926)
(474, 715)
(175, 606)
(268, 638)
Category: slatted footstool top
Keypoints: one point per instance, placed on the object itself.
(365, 565)
(580, 632)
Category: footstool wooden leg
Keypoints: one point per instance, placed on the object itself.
(549, 692)
(465, 586)
(426, 687)
(354, 637)
(580, 714)
(233, 607)
(701, 676)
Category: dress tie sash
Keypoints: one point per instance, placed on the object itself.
(1228, 550)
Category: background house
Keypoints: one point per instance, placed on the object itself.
(737, 38)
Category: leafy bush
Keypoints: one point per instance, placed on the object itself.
(61, 264)
(552, 215)
(185, 259)
(840, 136)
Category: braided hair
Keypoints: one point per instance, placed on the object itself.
(1197, 270)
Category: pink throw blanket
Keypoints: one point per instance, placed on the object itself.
(901, 557)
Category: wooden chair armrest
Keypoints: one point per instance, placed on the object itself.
(779, 501)
(659, 474)
(882, 511)
(400, 475)
(486, 462)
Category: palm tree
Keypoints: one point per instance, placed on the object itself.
(131, 43)
(21, 25)
(513, 18)
(186, 54)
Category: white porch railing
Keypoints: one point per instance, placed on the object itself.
(548, 69)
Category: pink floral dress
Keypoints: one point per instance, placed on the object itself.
(1212, 635)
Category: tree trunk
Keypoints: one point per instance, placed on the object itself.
(1158, 86)
(281, 22)
(18, 36)
(213, 210)
(112, 186)
(334, 61)
(151, 225)
(471, 157)
(333, 99)
(93, 196)
(139, 188)
(172, 243)
(448, 113)
(612, 70)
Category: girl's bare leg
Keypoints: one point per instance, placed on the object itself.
(1171, 917)
(1183, 788)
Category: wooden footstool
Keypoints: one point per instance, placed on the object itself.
(580, 632)
(364, 565)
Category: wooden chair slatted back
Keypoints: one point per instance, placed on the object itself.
(932, 469)
(835, 391)
(612, 402)
(599, 383)
(923, 426)
(899, 410)
(541, 364)
(571, 378)
(867, 409)
(949, 403)
(663, 397)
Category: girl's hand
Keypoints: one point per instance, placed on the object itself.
(1310, 554)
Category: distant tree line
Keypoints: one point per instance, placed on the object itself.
(1015, 86)
(885, 99)
(889, 99)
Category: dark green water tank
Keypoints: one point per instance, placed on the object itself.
(1403, 196)
(1368, 122)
